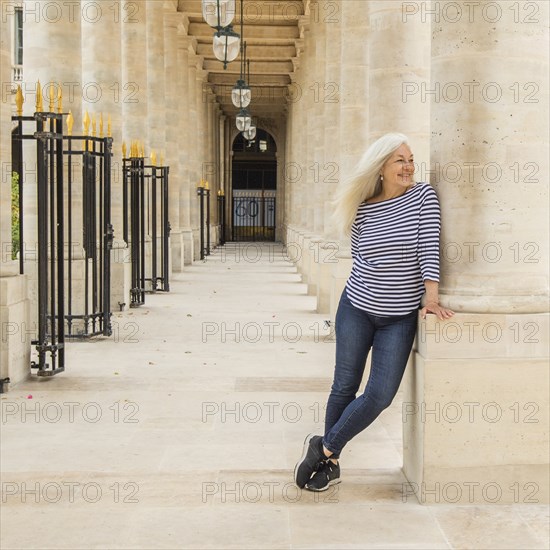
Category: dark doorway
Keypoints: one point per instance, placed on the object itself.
(254, 180)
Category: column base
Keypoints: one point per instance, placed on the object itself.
(17, 332)
(177, 252)
(327, 259)
(475, 411)
(121, 279)
(188, 246)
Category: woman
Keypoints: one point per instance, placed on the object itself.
(395, 226)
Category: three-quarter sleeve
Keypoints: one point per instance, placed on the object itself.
(428, 236)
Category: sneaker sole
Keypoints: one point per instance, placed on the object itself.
(325, 488)
(299, 463)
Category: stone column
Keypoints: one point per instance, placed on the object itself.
(184, 144)
(210, 160)
(221, 156)
(395, 71)
(305, 160)
(156, 72)
(330, 136)
(134, 72)
(14, 304)
(476, 404)
(194, 150)
(52, 39)
(102, 75)
(173, 22)
(354, 92)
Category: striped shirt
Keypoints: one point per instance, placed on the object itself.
(395, 248)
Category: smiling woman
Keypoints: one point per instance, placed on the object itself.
(394, 225)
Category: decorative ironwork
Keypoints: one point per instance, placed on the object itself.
(203, 192)
(60, 314)
(253, 216)
(146, 227)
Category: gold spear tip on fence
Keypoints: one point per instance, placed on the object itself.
(19, 100)
(51, 95)
(201, 183)
(59, 100)
(206, 185)
(153, 158)
(101, 125)
(86, 123)
(124, 149)
(70, 122)
(109, 132)
(162, 158)
(93, 125)
(39, 107)
(142, 155)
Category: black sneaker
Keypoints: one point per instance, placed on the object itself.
(312, 457)
(327, 475)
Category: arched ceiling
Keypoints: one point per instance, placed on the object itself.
(272, 31)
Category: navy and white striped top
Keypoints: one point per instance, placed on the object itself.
(395, 248)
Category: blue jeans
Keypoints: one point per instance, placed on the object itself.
(391, 339)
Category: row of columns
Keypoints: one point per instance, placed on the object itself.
(473, 113)
(135, 62)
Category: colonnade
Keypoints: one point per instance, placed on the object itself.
(132, 61)
(470, 89)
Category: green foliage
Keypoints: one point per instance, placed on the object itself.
(14, 214)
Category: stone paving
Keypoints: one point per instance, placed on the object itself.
(182, 431)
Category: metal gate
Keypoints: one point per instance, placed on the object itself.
(254, 215)
(94, 303)
(158, 227)
(145, 222)
(58, 315)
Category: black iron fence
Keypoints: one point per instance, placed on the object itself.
(203, 193)
(146, 227)
(253, 217)
(221, 216)
(58, 188)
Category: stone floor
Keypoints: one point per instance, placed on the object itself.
(182, 430)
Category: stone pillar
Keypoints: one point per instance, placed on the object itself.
(184, 145)
(14, 305)
(156, 115)
(330, 171)
(210, 160)
(172, 78)
(356, 42)
(476, 403)
(392, 75)
(135, 82)
(134, 72)
(194, 150)
(307, 78)
(52, 39)
(101, 71)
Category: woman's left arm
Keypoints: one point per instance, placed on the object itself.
(428, 255)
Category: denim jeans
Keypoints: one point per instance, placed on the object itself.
(391, 339)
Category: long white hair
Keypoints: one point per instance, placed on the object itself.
(365, 181)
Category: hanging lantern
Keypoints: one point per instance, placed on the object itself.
(241, 95)
(226, 45)
(250, 134)
(218, 13)
(244, 120)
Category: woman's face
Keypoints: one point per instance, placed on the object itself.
(399, 168)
